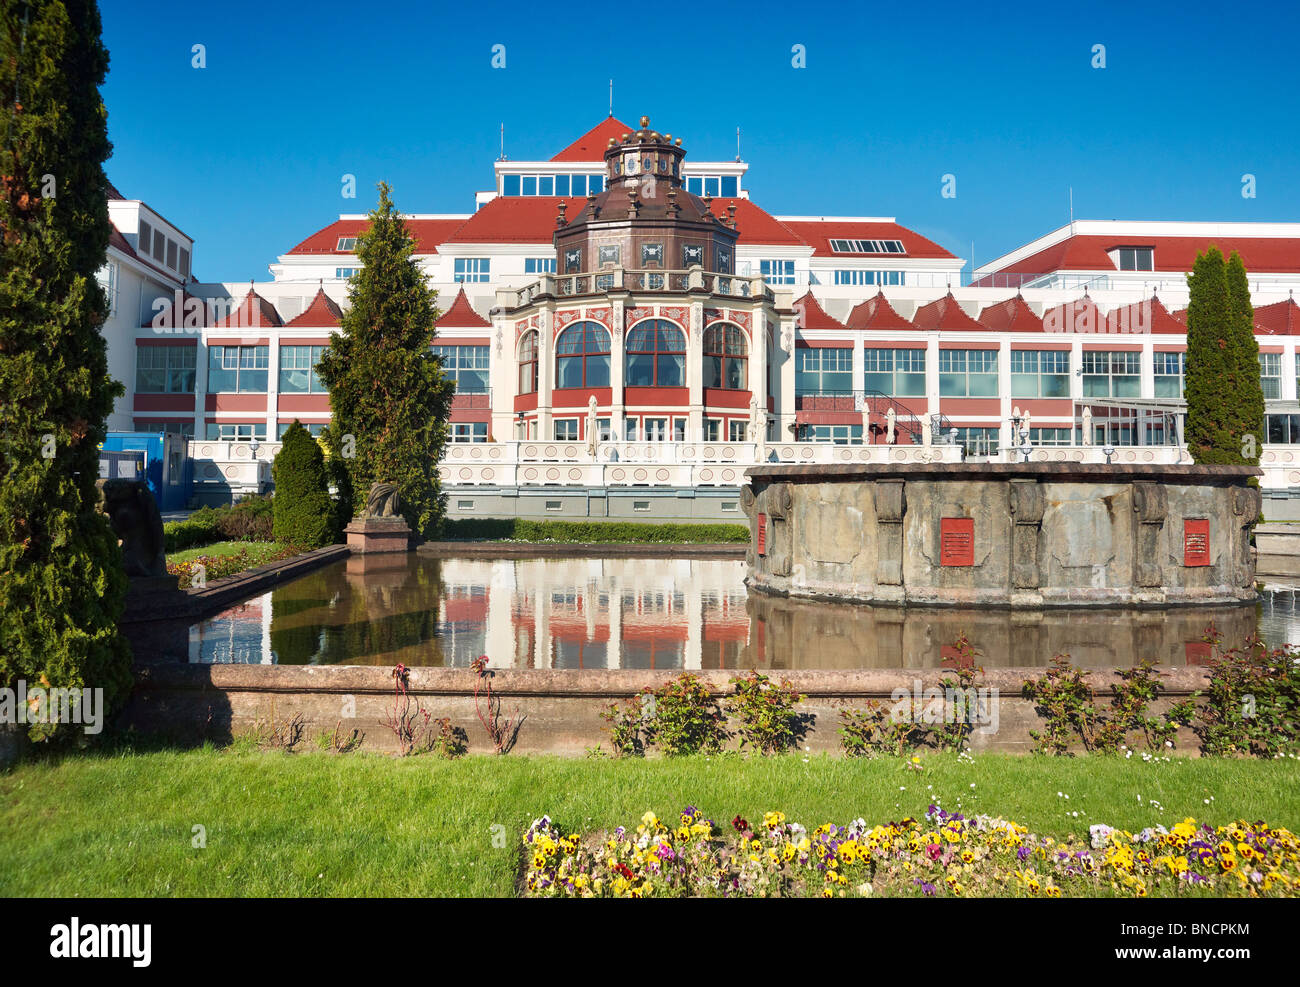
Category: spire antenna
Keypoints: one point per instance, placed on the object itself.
(611, 97)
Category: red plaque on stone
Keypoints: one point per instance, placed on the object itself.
(1196, 542)
(957, 541)
(762, 534)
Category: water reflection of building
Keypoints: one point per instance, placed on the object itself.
(240, 635)
(595, 613)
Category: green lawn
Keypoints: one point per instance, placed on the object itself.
(221, 549)
(121, 822)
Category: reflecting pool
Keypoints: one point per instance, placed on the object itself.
(669, 613)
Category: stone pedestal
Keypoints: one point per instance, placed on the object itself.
(370, 535)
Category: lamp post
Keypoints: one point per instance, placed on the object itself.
(1108, 450)
(1025, 447)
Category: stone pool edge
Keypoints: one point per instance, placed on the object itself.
(561, 708)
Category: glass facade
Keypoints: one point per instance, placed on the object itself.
(968, 373)
(656, 355)
(165, 369)
(237, 369)
(298, 369)
(466, 365)
(1112, 375)
(897, 373)
(1040, 373)
(582, 356)
(823, 370)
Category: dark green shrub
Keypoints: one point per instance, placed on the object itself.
(303, 514)
(768, 721)
(519, 529)
(1252, 706)
(252, 519)
(193, 531)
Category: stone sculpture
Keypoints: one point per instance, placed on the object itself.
(382, 501)
(133, 515)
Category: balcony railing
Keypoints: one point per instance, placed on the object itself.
(906, 420)
(620, 279)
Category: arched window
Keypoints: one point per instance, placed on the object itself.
(656, 355)
(582, 356)
(528, 362)
(725, 363)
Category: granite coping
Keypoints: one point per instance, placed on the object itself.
(563, 550)
(612, 683)
(1190, 474)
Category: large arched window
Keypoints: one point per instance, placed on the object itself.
(582, 356)
(725, 363)
(528, 362)
(656, 355)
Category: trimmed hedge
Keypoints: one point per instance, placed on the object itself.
(249, 520)
(303, 512)
(519, 529)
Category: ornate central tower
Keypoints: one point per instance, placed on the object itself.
(645, 220)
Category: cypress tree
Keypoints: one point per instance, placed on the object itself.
(387, 390)
(61, 582)
(1225, 404)
(1249, 395)
(303, 513)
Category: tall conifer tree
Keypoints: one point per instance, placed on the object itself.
(389, 398)
(1225, 403)
(61, 581)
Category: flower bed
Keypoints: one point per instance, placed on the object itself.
(944, 854)
(218, 566)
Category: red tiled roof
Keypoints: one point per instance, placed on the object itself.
(755, 224)
(174, 317)
(114, 194)
(461, 315)
(323, 311)
(1149, 315)
(1279, 318)
(819, 233)
(1172, 253)
(876, 313)
(813, 316)
(516, 219)
(116, 239)
(1013, 315)
(1080, 315)
(591, 145)
(944, 313)
(427, 233)
(253, 312)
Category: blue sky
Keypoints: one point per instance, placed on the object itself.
(246, 154)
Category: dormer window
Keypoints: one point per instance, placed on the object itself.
(868, 247)
(1137, 259)
(347, 243)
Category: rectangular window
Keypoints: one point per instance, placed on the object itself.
(840, 435)
(656, 429)
(469, 431)
(298, 369)
(233, 369)
(729, 505)
(566, 430)
(346, 244)
(1169, 372)
(236, 431)
(183, 429)
(968, 373)
(464, 505)
(539, 265)
(640, 505)
(1040, 373)
(1112, 375)
(510, 185)
(736, 429)
(1282, 429)
(1051, 436)
(869, 277)
(314, 429)
(713, 430)
(1137, 258)
(467, 365)
(107, 278)
(867, 247)
(1270, 375)
(978, 441)
(144, 239)
(165, 369)
(343, 273)
(529, 185)
(730, 186)
(472, 269)
(777, 271)
(897, 373)
(554, 505)
(172, 247)
(184, 268)
(545, 184)
(824, 371)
